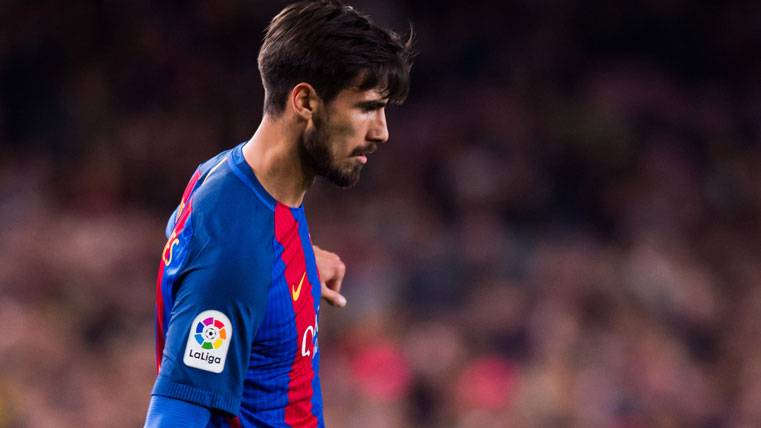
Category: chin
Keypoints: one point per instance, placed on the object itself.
(345, 178)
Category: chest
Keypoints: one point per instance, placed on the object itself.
(290, 324)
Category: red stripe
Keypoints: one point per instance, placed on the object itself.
(186, 208)
(159, 317)
(189, 187)
(183, 218)
(298, 411)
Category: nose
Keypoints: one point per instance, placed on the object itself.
(378, 131)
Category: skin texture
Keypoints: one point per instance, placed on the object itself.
(337, 144)
(311, 138)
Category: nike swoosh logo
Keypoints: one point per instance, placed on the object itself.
(296, 292)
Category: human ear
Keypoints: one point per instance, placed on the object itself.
(304, 100)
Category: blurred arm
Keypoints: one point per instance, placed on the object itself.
(332, 271)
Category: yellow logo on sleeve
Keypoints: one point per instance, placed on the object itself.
(168, 248)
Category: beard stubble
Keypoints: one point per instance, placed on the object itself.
(317, 156)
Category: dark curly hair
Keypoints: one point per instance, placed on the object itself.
(331, 46)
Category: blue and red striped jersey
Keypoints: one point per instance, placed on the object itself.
(237, 303)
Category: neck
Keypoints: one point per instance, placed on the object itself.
(273, 155)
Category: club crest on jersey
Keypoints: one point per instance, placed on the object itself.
(208, 341)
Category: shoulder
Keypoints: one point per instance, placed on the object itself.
(225, 209)
(233, 232)
(229, 230)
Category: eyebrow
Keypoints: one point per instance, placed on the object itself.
(371, 104)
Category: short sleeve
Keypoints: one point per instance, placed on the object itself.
(220, 299)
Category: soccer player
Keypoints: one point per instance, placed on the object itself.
(239, 284)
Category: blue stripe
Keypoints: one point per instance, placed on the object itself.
(266, 393)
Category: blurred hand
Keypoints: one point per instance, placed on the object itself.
(332, 271)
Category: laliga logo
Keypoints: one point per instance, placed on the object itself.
(210, 333)
(208, 341)
(311, 333)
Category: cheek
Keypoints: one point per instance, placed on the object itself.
(345, 133)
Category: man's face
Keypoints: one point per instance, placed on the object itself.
(350, 128)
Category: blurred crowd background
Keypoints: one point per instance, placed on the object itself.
(564, 229)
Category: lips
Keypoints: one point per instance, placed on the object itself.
(364, 151)
(361, 155)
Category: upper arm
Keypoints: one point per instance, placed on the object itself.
(219, 302)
